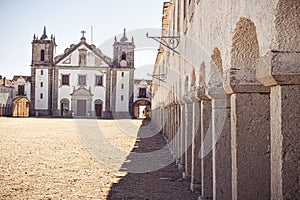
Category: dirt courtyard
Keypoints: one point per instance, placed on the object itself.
(48, 159)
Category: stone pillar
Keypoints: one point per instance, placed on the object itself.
(188, 138)
(173, 117)
(285, 142)
(166, 132)
(161, 118)
(178, 134)
(221, 147)
(182, 138)
(206, 153)
(172, 130)
(250, 132)
(221, 131)
(196, 145)
(170, 125)
(281, 72)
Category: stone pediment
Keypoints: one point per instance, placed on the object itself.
(83, 54)
(82, 92)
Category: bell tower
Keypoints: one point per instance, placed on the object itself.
(122, 78)
(42, 75)
(43, 50)
(124, 52)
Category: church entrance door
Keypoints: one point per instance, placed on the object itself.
(98, 109)
(81, 108)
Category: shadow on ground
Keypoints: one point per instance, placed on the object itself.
(163, 183)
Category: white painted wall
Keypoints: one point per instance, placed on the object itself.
(66, 91)
(137, 86)
(27, 85)
(122, 106)
(41, 103)
(28, 90)
(6, 95)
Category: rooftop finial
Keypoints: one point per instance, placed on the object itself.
(83, 38)
(124, 38)
(44, 36)
(83, 32)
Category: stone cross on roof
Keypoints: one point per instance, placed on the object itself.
(83, 32)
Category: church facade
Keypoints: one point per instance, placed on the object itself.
(82, 82)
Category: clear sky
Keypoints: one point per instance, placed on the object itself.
(65, 19)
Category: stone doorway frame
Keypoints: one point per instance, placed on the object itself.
(137, 104)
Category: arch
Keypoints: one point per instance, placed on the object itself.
(287, 26)
(20, 107)
(244, 51)
(217, 60)
(141, 108)
(98, 101)
(193, 79)
(179, 86)
(42, 55)
(202, 75)
(64, 107)
(123, 56)
(186, 84)
(64, 100)
(214, 78)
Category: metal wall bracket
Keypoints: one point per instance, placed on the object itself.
(161, 77)
(171, 42)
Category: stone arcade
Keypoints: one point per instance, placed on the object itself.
(232, 109)
(82, 82)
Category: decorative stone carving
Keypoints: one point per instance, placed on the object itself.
(82, 57)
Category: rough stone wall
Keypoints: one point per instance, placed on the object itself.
(235, 52)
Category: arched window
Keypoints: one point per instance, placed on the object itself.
(123, 57)
(42, 55)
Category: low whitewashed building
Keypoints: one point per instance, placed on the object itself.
(142, 98)
(22, 86)
(6, 96)
(21, 96)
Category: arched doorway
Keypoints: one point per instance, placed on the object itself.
(98, 107)
(21, 107)
(81, 102)
(64, 107)
(141, 108)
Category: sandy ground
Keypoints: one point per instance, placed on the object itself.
(48, 159)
